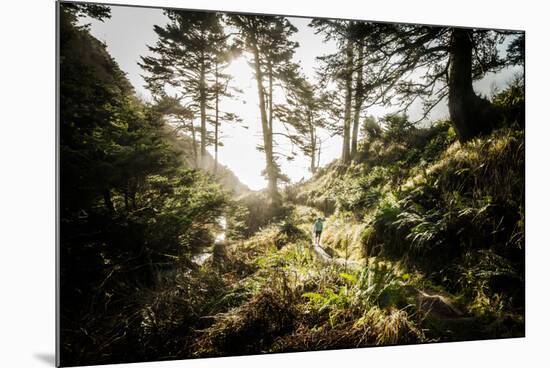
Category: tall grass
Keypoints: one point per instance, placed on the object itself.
(452, 212)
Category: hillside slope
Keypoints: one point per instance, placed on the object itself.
(224, 175)
(452, 213)
(423, 242)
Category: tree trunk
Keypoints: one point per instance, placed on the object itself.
(358, 101)
(202, 102)
(318, 154)
(194, 139)
(216, 123)
(470, 114)
(270, 121)
(271, 170)
(347, 111)
(313, 140)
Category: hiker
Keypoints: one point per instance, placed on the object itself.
(318, 229)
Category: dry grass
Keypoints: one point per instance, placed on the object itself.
(345, 236)
(376, 328)
(250, 328)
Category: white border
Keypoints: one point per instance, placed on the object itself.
(27, 204)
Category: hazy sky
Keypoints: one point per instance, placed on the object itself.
(130, 29)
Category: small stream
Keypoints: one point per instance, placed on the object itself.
(219, 237)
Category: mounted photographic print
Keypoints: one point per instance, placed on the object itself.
(236, 184)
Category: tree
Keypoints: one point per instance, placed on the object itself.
(181, 118)
(220, 89)
(72, 11)
(365, 78)
(339, 67)
(188, 49)
(305, 112)
(430, 64)
(348, 78)
(358, 98)
(267, 39)
(516, 50)
(87, 71)
(128, 206)
(349, 68)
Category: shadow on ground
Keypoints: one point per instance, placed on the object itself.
(45, 358)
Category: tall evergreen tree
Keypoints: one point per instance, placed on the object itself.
(448, 59)
(267, 39)
(187, 51)
(305, 112)
(181, 117)
(219, 87)
(341, 67)
(129, 207)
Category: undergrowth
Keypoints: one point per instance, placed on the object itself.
(452, 212)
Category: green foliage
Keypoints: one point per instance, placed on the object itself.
(396, 127)
(452, 212)
(306, 299)
(289, 231)
(516, 50)
(440, 136)
(182, 205)
(131, 214)
(358, 194)
(483, 272)
(237, 217)
(461, 222)
(378, 285)
(342, 237)
(511, 101)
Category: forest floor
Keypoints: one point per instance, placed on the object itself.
(431, 301)
(418, 255)
(287, 293)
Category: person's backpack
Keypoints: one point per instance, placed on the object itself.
(318, 225)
